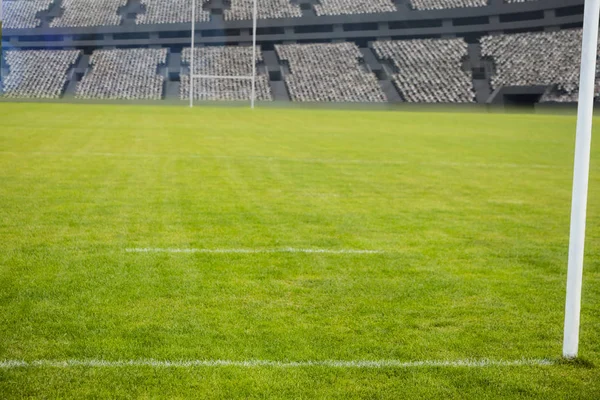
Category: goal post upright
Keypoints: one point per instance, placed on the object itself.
(193, 45)
(585, 111)
(254, 18)
(251, 78)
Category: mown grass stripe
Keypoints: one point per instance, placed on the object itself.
(290, 159)
(371, 364)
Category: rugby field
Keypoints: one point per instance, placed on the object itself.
(226, 253)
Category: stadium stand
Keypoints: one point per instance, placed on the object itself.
(89, 13)
(22, 14)
(328, 72)
(340, 7)
(444, 4)
(169, 12)
(564, 93)
(124, 74)
(243, 9)
(539, 58)
(40, 74)
(307, 57)
(429, 70)
(223, 61)
(568, 93)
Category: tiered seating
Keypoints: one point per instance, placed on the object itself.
(172, 11)
(223, 61)
(89, 13)
(124, 74)
(569, 93)
(243, 9)
(429, 70)
(328, 72)
(21, 14)
(563, 94)
(339, 7)
(38, 73)
(527, 59)
(444, 4)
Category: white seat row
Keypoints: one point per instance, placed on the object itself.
(541, 58)
(339, 7)
(429, 70)
(328, 72)
(424, 70)
(173, 11)
(129, 74)
(40, 74)
(569, 93)
(89, 13)
(446, 4)
(243, 10)
(21, 14)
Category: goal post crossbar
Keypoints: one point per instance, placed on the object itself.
(251, 78)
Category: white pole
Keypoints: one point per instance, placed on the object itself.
(192, 54)
(585, 111)
(254, 17)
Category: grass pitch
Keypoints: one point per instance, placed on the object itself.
(470, 214)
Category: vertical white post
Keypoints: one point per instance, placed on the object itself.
(254, 17)
(192, 54)
(585, 109)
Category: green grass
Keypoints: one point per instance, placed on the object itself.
(471, 211)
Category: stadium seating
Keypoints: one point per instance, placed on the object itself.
(223, 61)
(243, 9)
(40, 74)
(172, 11)
(429, 70)
(562, 93)
(124, 74)
(339, 7)
(541, 58)
(89, 13)
(444, 4)
(328, 72)
(21, 14)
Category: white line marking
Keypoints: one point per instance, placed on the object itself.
(285, 159)
(252, 251)
(371, 364)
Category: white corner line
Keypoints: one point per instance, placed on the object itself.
(356, 364)
(252, 251)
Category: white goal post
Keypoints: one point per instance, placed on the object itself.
(585, 112)
(251, 78)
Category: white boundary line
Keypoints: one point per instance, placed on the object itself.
(291, 159)
(357, 364)
(252, 251)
